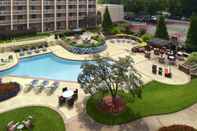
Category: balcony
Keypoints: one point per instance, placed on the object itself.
(61, 3)
(19, 12)
(72, 2)
(35, 11)
(20, 21)
(4, 13)
(5, 22)
(60, 11)
(19, 3)
(49, 3)
(35, 20)
(82, 10)
(34, 3)
(61, 18)
(70, 18)
(5, 3)
(48, 11)
(50, 19)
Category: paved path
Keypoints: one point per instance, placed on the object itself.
(188, 116)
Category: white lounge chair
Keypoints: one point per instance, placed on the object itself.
(31, 85)
(40, 87)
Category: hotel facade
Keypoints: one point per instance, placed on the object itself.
(46, 15)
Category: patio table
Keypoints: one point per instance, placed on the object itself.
(68, 94)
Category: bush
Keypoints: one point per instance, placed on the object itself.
(177, 128)
(147, 37)
(192, 58)
(8, 90)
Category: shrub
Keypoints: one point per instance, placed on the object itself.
(192, 58)
(177, 128)
(8, 90)
(146, 37)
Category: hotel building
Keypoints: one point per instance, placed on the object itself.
(46, 15)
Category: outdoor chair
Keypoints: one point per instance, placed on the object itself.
(70, 102)
(168, 74)
(28, 124)
(160, 71)
(61, 100)
(10, 124)
(12, 127)
(64, 89)
(154, 69)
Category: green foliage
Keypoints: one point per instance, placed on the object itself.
(115, 30)
(175, 7)
(161, 31)
(191, 42)
(147, 37)
(107, 22)
(192, 58)
(110, 75)
(171, 98)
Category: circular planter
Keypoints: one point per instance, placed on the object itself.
(89, 50)
(177, 128)
(8, 90)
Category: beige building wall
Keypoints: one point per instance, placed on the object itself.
(116, 11)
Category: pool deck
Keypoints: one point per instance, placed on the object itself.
(74, 118)
(10, 63)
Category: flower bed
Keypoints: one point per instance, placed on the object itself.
(177, 128)
(8, 90)
(87, 43)
(89, 50)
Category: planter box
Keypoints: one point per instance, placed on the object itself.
(91, 50)
(10, 94)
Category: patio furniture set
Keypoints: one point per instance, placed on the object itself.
(19, 126)
(5, 60)
(159, 70)
(38, 86)
(68, 97)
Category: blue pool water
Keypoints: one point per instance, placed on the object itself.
(46, 66)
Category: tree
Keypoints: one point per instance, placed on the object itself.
(111, 76)
(107, 22)
(191, 42)
(161, 30)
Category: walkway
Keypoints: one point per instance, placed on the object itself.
(153, 123)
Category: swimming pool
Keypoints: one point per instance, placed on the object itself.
(46, 66)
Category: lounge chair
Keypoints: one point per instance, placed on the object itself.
(40, 87)
(29, 51)
(53, 87)
(31, 85)
(21, 52)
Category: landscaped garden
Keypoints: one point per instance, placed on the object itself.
(44, 119)
(157, 99)
(85, 43)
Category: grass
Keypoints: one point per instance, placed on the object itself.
(157, 99)
(44, 119)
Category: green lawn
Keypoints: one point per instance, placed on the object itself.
(157, 99)
(44, 119)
